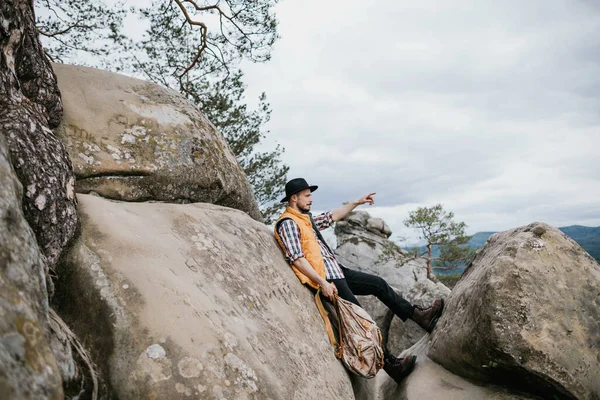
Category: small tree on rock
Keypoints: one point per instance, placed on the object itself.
(437, 227)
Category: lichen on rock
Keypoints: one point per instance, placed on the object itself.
(136, 141)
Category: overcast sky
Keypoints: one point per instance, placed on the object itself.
(490, 108)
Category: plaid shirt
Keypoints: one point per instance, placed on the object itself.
(290, 236)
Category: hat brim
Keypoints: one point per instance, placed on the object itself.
(312, 189)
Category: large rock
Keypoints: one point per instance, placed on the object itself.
(134, 140)
(194, 300)
(28, 369)
(526, 313)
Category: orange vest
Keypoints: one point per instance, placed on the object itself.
(309, 243)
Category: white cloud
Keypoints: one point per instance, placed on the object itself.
(490, 108)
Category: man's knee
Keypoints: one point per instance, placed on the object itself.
(381, 285)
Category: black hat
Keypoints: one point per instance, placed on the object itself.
(294, 186)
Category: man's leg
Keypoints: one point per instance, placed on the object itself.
(361, 283)
(344, 290)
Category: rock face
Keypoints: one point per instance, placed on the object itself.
(193, 300)
(28, 369)
(526, 313)
(362, 244)
(133, 140)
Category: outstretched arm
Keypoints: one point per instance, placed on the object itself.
(340, 213)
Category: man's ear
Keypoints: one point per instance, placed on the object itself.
(293, 198)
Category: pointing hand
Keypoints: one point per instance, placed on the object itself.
(367, 199)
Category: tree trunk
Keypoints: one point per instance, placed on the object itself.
(30, 105)
(429, 271)
(37, 205)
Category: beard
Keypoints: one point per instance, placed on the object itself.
(305, 209)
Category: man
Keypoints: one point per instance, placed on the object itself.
(316, 266)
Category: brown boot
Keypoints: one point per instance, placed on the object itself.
(428, 317)
(399, 368)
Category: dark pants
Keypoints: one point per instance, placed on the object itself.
(361, 284)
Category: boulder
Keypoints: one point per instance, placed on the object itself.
(134, 140)
(526, 313)
(28, 369)
(193, 300)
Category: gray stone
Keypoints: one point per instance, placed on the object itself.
(526, 314)
(134, 140)
(379, 227)
(156, 351)
(206, 284)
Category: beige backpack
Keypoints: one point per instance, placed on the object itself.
(360, 344)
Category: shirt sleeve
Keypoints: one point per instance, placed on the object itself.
(323, 221)
(290, 236)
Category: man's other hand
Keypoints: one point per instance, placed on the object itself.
(328, 289)
(367, 199)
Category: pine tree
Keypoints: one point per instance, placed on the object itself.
(194, 47)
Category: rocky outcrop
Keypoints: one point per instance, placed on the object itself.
(193, 300)
(28, 369)
(133, 140)
(362, 244)
(526, 313)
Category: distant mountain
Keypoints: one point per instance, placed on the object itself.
(588, 238)
(585, 236)
(479, 239)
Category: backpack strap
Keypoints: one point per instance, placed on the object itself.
(318, 233)
(278, 224)
(325, 317)
(327, 322)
